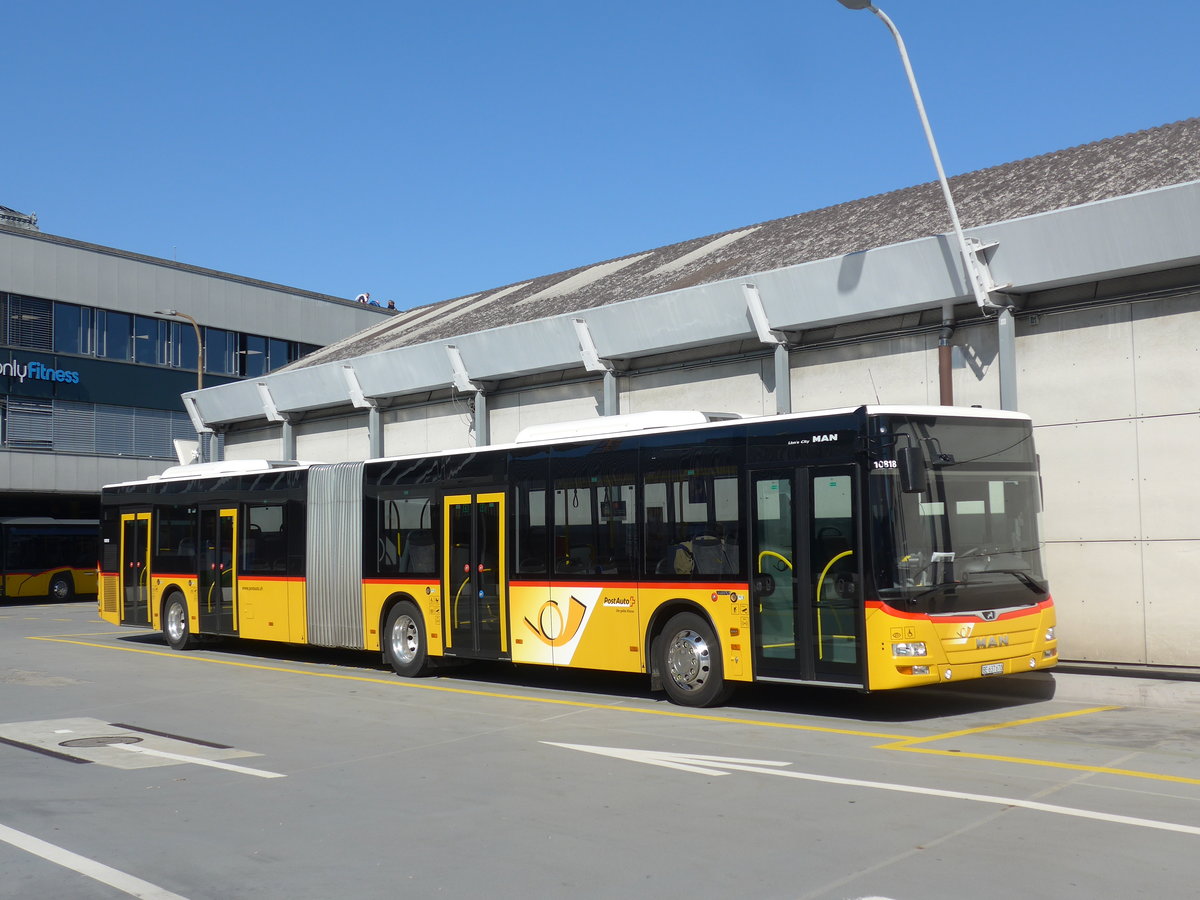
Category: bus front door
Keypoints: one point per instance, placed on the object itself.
(805, 581)
(135, 569)
(475, 585)
(218, 571)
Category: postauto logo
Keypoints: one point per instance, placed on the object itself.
(36, 371)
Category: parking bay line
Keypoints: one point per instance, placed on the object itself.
(114, 878)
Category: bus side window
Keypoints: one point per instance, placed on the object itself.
(406, 541)
(264, 549)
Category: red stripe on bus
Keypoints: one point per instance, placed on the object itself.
(965, 617)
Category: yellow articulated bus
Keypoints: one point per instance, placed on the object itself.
(45, 557)
(871, 548)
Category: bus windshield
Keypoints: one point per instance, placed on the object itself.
(969, 539)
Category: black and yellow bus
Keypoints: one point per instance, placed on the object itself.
(46, 557)
(870, 548)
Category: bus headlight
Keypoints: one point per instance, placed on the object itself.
(1050, 633)
(911, 648)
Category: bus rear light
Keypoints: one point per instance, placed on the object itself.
(909, 648)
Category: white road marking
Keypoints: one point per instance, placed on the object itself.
(713, 765)
(122, 881)
(216, 764)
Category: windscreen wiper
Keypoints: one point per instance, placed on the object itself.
(1022, 576)
(933, 590)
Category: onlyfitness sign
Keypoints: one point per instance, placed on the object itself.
(36, 371)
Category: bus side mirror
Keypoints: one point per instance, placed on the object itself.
(911, 463)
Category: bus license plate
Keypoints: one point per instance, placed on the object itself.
(993, 669)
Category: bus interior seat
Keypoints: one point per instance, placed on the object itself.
(419, 555)
(710, 556)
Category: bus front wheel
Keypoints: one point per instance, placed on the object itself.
(175, 624)
(404, 645)
(61, 587)
(689, 662)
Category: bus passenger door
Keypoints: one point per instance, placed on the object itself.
(834, 568)
(218, 571)
(135, 569)
(475, 584)
(805, 590)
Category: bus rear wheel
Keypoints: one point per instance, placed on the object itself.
(175, 624)
(689, 662)
(404, 645)
(62, 587)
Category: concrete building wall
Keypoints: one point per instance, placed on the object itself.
(742, 386)
(1114, 394)
(426, 429)
(541, 406)
(330, 440)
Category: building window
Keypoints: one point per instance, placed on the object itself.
(252, 355)
(183, 346)
(149, 341)
(30, 322)
(115, 333)
(30, 425)
(73, 328)
(278, 354)
(220, 351)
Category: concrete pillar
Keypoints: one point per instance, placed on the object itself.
(1006, 330)
(482, 432)
(287, 440)
(612, 400)
(374, 433)
(783, 380)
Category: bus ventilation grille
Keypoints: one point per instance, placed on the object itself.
(108, 596)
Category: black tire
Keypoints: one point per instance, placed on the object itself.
(404, 644)
(688, 659)
(175, 625)
(62, 587)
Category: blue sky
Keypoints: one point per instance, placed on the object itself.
(424, 151)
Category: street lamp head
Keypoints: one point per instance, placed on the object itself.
(855, 4)
(166, 312)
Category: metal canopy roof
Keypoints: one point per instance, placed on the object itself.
(1126, 233)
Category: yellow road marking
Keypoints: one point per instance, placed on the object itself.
(1013, 724)
(553, 701)
(907, 745)
(1023, 761)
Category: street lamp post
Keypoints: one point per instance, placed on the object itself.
(199, 361)
(974, 277)
(199, 342)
